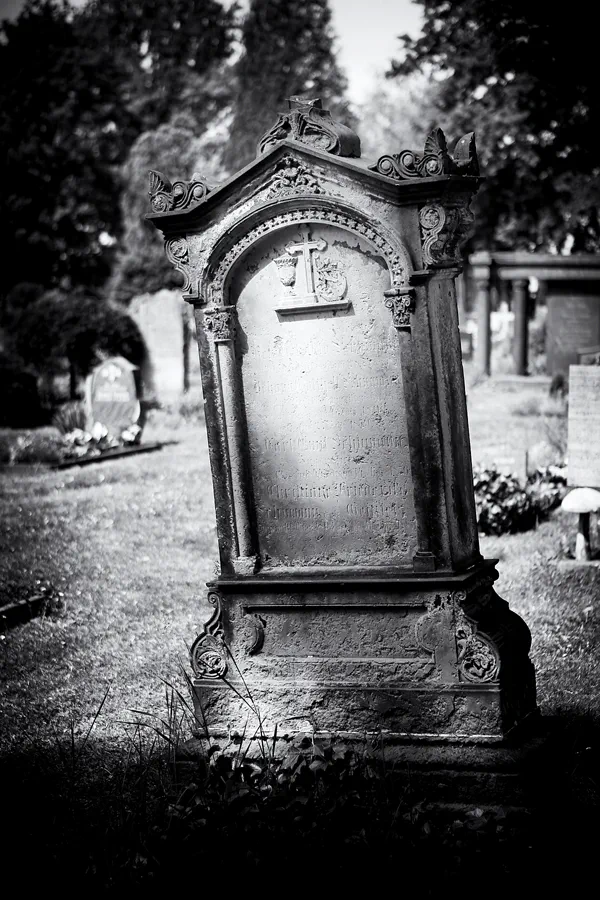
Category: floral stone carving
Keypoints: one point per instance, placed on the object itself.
(291, 177)
(220, 323)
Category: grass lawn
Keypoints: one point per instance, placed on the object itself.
(130, 544)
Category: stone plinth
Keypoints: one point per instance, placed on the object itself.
(352, 597)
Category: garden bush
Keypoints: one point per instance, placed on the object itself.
(21, 406)
(505, 506)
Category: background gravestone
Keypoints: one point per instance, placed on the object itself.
(352, 596)
(164, 322)
(584, 426)
(573, 322)
(113, 395)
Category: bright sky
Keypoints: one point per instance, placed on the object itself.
(368, 37)
(367, 33)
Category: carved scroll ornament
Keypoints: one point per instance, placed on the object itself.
(478, 659)
(167, 197)
(208, 654)
(435, 159)
(462, 652)
(444, 230)
(178, 254)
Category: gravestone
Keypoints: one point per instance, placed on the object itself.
(161, 318)
(573, 322)
(466, 344)
(113, 396)
(352, 596)
(584, 426)
(588, 356)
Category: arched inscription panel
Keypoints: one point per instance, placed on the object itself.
(326, 418)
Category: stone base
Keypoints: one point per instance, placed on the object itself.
(419, 657)
(513, 774)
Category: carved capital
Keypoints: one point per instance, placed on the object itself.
(167, 197)
(444, 229)
(208, 654)
(435, 159)
(220, 323)
(291, 177)
(401, 301)
(307, 122)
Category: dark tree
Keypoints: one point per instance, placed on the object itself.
(64, 127)
(287, 51)
(78, 87)
(522, 76)
(168, 49)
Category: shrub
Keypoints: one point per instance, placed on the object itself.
(20, 407)
(504, 506)
(42, 445)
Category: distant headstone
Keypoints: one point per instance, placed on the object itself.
(573, 322)
(113, 396)
(584, 426)
(589, 356)
(352, 597)
(466, 344)
(161, 318)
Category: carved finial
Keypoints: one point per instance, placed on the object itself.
(465, 155)
(165, 196)
(160, 191)
(310, 124)
(299, 102)
(435, 159)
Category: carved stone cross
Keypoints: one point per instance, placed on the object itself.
(306, 248)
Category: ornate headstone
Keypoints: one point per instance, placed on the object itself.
(352, 596)
(113, 399)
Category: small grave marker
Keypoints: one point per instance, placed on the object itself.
(113, 396)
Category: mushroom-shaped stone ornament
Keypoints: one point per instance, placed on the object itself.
(584, 501)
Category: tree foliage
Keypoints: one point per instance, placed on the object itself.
(64, 128)
(173, 149)
(520, 75)
(398, 115)
(168, 49)
(287, 51)
(78, 87)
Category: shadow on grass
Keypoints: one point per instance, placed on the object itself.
(108, 815)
